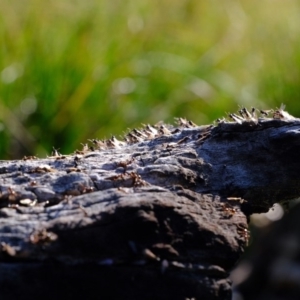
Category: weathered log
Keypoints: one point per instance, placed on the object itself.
(160, 216)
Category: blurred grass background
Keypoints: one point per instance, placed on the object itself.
(73, 70)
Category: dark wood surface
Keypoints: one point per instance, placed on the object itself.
(160, 216)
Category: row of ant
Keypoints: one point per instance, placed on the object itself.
(251, 116)
(230, 210)
(136, 178)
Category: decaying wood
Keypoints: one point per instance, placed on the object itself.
(162, 215)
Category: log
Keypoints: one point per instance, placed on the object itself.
(162, 215)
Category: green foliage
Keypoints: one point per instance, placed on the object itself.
(73, 70)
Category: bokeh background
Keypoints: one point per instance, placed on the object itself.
(74, 70)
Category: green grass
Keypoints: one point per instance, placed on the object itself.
(74, 70)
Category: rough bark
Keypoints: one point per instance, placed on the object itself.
(158, 217)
